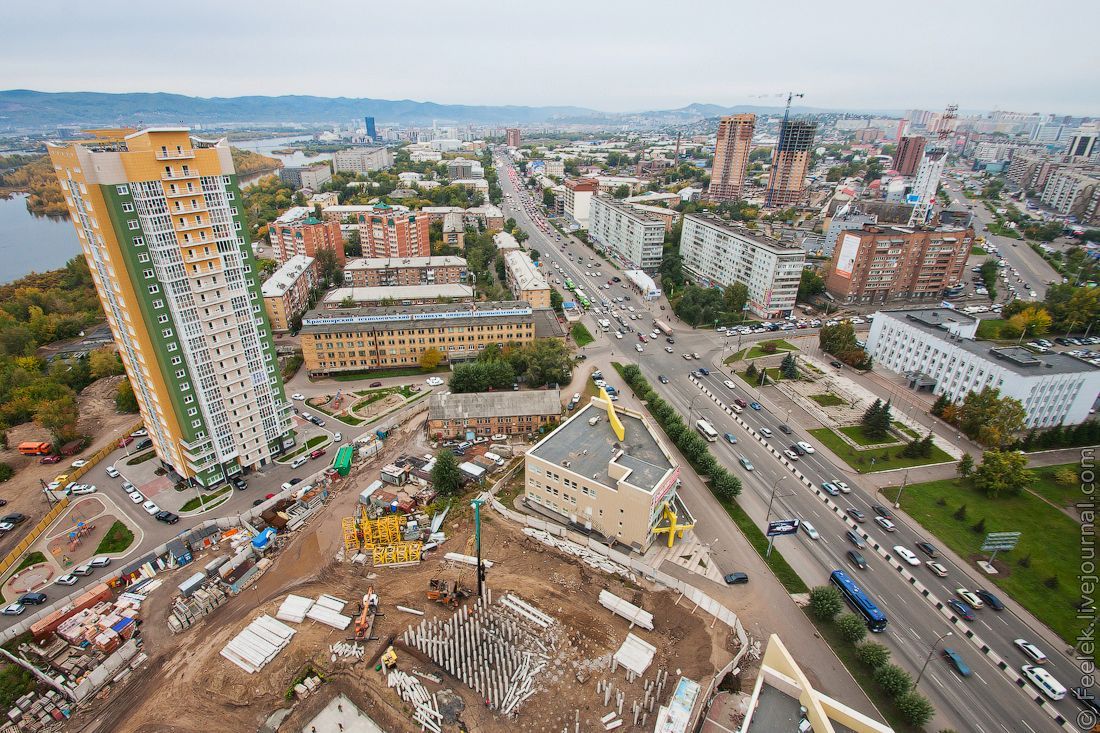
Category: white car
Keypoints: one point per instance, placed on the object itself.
(6, 526)
(433, 381)
(298, 396)
(806, 447)
(809, 529)
(638, 348)
(150, 508)
(82, 489)
(906, 555)
(1031, 650)
(136, 497)
(139, 433)
(886, 524)
(112, 471)
(99, 562)
(729, 384)
(337, 437)
(936, 568)
(618, 334)
(970, 597)
(299, 462)
(13, 609)
(68, 579)
(79, 463)
(844, 488)
(766, 432)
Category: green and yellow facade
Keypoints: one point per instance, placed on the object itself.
(159, 217)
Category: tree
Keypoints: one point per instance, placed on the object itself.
(544, 361)
(810, 284)
(446, 477)
(966, 466)
(734, 297)
(915, 708)
(104, 363)
(125, 401)
(991, 419)
(328, 267)
(751, 372)
(894, 680)
(789, 368)
(59, 417)
(873, 654)
(556, 301)
(877, 419)
(621, 192)
(825, 602)
(727, 487)
(1033, 321)
(430, 358)
(1002, 473)
(1066, 476)
(548, 198)
(347, 302)
(940, 405)
(851, 627)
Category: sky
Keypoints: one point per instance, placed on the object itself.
(610, 55)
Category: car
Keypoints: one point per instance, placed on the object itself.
(730, 384)
(730, 438)
(151, 508)
(662, 379)
(990, 600)
(32, 599)
(670, 340)
(736, 578)
(1087, 699)
(809, 529)
(687, 357)
(844, 488)
(433, 381)
(785, 429)
(886, 524)
(669, 349)
(806, 447)
(856, 514)
(99, 562)
(955, 660)
(694, 355)
(964, 611)
(704, 371)
(13, 609)
(166, 517)
(128, 487)
(53, 459)
(936, 568)
(882, 511)
(745, 463)
(828, 488)
(836, 364)
(337, 437)
(67, 579)
(139, 433)
(766, 432)
(740, 402)
(855, 538)
(122, 443)
(971, 599)
(928, 549)
(1044, 680)
(82, 570)
(299, 462)
(144, 444)
(136, 496)
(791, 455)
(14, 518)
(112, 471)
(798, 449)
(756, 406)
(857, 559)
(298, 396)
(906, 554)
(82, 489)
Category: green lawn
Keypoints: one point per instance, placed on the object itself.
(827, 400)
(978, 251)
(214, 497)
(884, 458)
(117, 539)
(906, 430)
(859, 435)
(773, 376)
(32, 558)
(141, 458)
(990, 328)
(779, 566)
(1061, 494)
(1050, 539)
(581, 335)
(756, 351)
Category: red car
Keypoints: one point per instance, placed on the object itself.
(317, 453)
(740, 403)
(122, 443)
(50, 459)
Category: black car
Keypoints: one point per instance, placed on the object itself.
(670, 340)
(166, 517)
(882, 511)
(785, 429)
(14, 518)
(928, 549)
(857, 559)
(990, 600)
(736, 578)
(1085, 696)
(32, 599)
(662, 379)
(961, 609)
(294, 481)
(798, 449)
(144, 444)
(836, 364)
(239, 482)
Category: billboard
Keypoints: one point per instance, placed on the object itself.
(912, 198)
(849, 248)
(782, 527)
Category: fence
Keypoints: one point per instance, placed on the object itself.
(92, 460)
(33, 535)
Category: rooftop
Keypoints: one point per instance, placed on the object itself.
(400, 292)
(589, 449)
(285, 277)
(401, 317)
(629, 210)
(294, 215)
(742, 232)
(385, 263)
(451, 406)
(523, 271)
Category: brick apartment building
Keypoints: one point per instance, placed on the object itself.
(483, 414)
(371, 272)
(388, 232)
(297, 232)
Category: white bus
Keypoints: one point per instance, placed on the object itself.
(706, 430)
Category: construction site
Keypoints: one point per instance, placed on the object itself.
(379, 611)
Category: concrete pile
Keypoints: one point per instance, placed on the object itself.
(622, 607)
(425, 707)
(589, 557)
(294, 609)
(203, 601)
(257, 644)
(498, 650)
(343, 650)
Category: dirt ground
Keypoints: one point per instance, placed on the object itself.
(23, 491)
(188, 684)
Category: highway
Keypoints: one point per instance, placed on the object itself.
(988, 701)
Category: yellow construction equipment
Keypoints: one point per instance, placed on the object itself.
(389, 658)
(400, 553)
(364, 622)
(447, 592)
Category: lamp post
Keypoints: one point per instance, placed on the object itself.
(930, 653)
(772, 498)
(691, 407)
(904, 480)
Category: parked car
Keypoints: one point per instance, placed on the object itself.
(139, 433)
(100, 562)
(375, 384)
(299, 462)
(239, 483)
(53, 459)
(136, 496)
(882, 511)
(298, 396)
(147, 443)
(32, 599)
(112, 471)
(16, 518)
(166, 517)
(67, 579)
(82, 489)
(433, 381)
(13, 609)
(736, 578)
(151, 508)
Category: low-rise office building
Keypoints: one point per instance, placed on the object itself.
(296, 232)
(484, 414)
(578, 199)
(480, 185)
(620, 482)
(362, 160)
(361, 339)
(311, 176)
(879, 264)
(524, 279)
(369, 272)
(286, 292)
(636, 236)
(359, 297)
(718, 252)
(935, 348)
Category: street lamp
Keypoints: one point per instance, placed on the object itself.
(904, 480)
(772, 499)
(692, 405)
(930, 653)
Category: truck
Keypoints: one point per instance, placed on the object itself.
(663, 327)
(35, 448)
(605, 324)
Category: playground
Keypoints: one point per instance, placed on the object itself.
(363, 406)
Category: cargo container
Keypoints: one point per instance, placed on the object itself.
(342, 464)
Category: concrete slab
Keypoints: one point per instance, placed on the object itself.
(341, 715)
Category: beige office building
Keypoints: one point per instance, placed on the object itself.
(524, 279)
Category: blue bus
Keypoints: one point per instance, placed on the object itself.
(860, 602)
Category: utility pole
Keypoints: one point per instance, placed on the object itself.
(930, 653)
(904, 480)
(779, 144)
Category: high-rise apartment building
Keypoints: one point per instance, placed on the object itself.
(158, 216)
(908, 155)
(511, 137)
(927, 184)
(297, 232)
(791, 161)
(388, 232)
(731, 157)
(1084, 145)
(635, 235)
(372, 131)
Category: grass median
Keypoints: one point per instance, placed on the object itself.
(874, 459)
(118, 538)
(214, 497)
(827, 400)
(581, 335)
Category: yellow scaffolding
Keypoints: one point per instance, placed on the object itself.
(384, 531)
(351, 534)
(400, 553)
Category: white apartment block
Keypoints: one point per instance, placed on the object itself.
(935, 348)
(717, 252)
(635, 235)
(361, 160)
(1072, 192)
(524, 279)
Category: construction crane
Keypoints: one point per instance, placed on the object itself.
(923, 195)
(364, 622)
(779, 147)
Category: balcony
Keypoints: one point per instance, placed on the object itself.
(179, 175)
(197, 209)
(174, 154)
(191, 226)
(184, 192)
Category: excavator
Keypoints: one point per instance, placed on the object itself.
(364, 622)
(447, 592)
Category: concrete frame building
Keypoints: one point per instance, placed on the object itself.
(524, 279)
(512, 137)
(1031, 172)
(388, 232)
(286, 292)
(879, 264)
(731, 157)
(717, 252)
(484, 414)
(158, 216)
(1084, 145)
(307, 176)
(909, 153)
(1073, 192)
(364, 272)
(365, 297)
(633, 234)
(584, 475)
(578, 199)
(371, 130)
(935, 348)
(790, 163)
(296, 232)
(362, 160)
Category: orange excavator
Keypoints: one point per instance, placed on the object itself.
(364, 622)
(447, 592)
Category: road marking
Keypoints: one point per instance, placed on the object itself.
(914, 633)
(983, 681)
(1027, 726)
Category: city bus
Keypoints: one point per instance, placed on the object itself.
(569, 284)
(582, 298)
(860, 602)
(706, 430)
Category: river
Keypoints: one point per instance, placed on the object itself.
(30, 243)
(265, 146)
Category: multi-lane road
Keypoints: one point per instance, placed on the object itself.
(987, 701)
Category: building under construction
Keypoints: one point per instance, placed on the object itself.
(787, 178)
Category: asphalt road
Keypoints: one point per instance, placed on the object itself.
(988, 701)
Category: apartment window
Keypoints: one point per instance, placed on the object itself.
(133, 225)
(142, 257)
(147, 274)
(127, 207)
(154, 289)
(167, 333)
(192, 412)
(158, 303)
(185, 386)
(172, 346)
(122, 190)
(139, 241)
(237, 225)
(162, 318)
(196, 423)
(188, 399)
(230, 196)
(180, 374)
(176, 361)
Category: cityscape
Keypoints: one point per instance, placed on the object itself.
(362, 393)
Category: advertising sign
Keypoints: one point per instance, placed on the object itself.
(849, 248)
(782, 527)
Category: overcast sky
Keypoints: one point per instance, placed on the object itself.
(612, 55)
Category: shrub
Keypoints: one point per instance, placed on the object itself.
(894, 680)
(873, 654)
(1051, 582)
(979, 526)
(851, 627)
(6, 472)
(1024, 562)
(915, 708)
(960, 513)
(942, 501)
(825, 602)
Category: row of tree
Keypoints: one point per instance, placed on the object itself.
(537, 364)
(840, 341)
(987, 416)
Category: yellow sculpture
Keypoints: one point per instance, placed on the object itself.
(674, 529)
(616, 423)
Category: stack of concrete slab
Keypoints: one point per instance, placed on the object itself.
(257, 644)
(635, 654)
(294, 609)
(626, 609)
(326, 610)
(332, 603)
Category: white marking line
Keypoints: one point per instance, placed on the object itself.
(1024, 723)
(981, 678)
(914, 633)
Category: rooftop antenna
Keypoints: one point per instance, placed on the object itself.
(779, 146)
